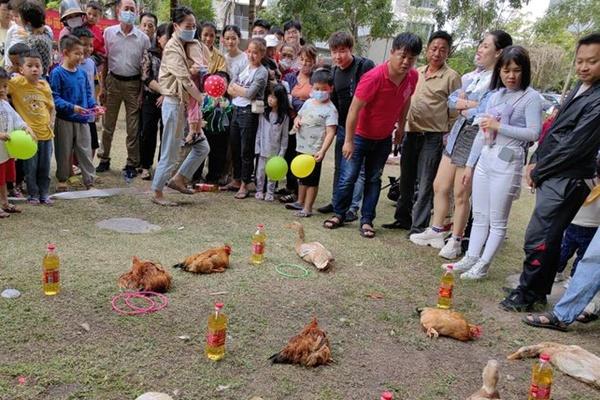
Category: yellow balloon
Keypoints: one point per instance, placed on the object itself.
(303, 165)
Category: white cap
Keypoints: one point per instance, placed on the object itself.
(271, 40)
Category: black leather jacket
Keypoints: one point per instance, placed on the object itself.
(571, 146)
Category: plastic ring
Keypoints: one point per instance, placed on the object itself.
(280, 271)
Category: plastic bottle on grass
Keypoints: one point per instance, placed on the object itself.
(541, 379)
(216, 334)
(50, 271)
(387, 396)
(446, 287)
(258, 245)
(206, 187)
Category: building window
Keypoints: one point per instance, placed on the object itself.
(423, 3)
(421, 29)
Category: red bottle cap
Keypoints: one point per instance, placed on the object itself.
(450, 267)
(218, 306)
(260, 226)
(51, 247)
(544, 357)
(387, 396)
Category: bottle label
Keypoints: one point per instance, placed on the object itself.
(540, 392)
(216, 338)
(445, 291)
(51, 276)
(258, 248)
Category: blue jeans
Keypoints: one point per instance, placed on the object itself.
(583, 286)
(37, 171)
(173, 116)
(372, 154)
(360, 183)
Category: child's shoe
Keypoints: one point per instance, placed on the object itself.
(33, 201)
(259, 196)
(269, 197)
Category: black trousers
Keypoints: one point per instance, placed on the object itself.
(291, 182)
(244, 124)
(150, 117)
(217, 157)
(421, 155)
(557, 201)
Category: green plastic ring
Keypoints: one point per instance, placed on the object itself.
(304, 274)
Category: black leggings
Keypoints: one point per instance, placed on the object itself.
(244, 124)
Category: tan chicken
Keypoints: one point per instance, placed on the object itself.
(312, 252)
(449, 323)
(146, 275)
(571, 360)
(207, 262)
(310, 348)
(491, 376)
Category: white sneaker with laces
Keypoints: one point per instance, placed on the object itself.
(463, 265)
(429, 238)
(451, 250)
(479, 271)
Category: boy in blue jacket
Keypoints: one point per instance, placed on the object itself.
(74, 104)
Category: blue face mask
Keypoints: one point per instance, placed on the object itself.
(187, 35)
(319, 95)
(127, 17)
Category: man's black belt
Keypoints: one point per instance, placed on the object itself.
(126, 78)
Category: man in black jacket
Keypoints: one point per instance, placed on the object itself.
(560, 171)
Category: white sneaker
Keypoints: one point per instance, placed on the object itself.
(560, 276)
(451, 250)
(429, 238)
(463, 265)
(479, 271)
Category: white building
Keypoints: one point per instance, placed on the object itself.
(234, 12)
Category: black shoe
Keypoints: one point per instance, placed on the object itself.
(129, 172)
(397, 225)
(516, 301)
(351, 216)
(103, 166)
(328, 209)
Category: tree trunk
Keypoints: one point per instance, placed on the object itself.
(567, 82)
(251, 15)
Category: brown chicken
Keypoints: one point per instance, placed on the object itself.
(491, 376)
(146, 275)
(571, 360)
(312, 252)
(438, 322)
(310, 348)
(207, 262)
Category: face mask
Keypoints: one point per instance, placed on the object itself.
(286, 63)
(319, 95)
(187, 35)
(127, 17)
(75, 22)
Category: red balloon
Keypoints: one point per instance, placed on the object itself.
(215, 86)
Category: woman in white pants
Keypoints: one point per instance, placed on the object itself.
(513, 118)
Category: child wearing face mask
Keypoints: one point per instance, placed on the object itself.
(316, 125)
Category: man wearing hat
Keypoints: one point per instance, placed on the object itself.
(125, 46)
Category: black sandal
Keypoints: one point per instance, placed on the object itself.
(333, 222)
(367, 233)
(535, 320)
(586, 317)
(288, 198)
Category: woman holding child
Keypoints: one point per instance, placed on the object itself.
(177, 87)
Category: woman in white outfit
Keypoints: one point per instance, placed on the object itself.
(512, 119)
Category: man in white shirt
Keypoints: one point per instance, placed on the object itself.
(5, 23)
(125, 46)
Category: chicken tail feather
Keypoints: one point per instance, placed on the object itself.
(279, 358)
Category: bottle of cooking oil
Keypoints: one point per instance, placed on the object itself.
(446, 286)
(50, 271)
(217, 332)
(541, 379)
(387, 396)
(258, 245)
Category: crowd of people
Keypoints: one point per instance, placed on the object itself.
(464, 140)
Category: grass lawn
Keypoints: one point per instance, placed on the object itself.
(376, 344)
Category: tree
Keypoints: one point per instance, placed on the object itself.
(320, 18)
(470, 19)
(549, 66)
(202, 9)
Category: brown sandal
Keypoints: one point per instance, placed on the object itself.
(180, 189)
(11, 209)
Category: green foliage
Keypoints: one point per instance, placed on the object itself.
(469, 19)
(462, 60)
(320, 18)
(202, 8)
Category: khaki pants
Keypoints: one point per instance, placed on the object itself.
(72, 137)
(117, 92)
